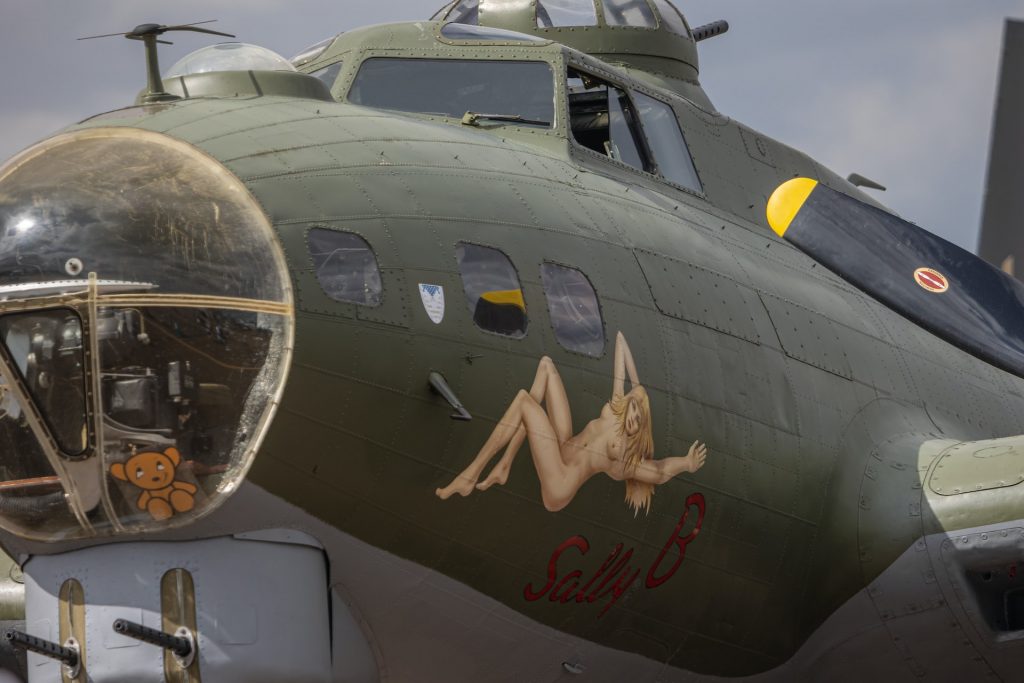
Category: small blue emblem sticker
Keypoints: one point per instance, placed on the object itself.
(433, 302)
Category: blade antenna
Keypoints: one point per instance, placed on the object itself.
(149, 35)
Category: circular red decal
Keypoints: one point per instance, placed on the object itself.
(932, 280)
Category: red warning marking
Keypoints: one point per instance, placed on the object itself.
(932, 280)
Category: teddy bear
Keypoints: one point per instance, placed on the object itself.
(155, 473)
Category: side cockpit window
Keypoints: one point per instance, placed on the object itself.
(664, 135)
(345, 266)
(629, 127)
(575, 313)
(493, 292)
(602, 119)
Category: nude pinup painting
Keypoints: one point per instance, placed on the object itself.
(618, 443)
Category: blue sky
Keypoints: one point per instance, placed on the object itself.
(901, 92)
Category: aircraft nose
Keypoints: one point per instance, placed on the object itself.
(140, 284)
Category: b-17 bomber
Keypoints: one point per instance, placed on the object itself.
(485, 348)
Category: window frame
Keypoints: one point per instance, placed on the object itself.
(655, 15)
(586, 152)
(470, 308)
(440, 14)
(598, 18)
(554, 66)
(42, 409)
(656, 5)
(686, 145)
(474, 11)
(643, 146)
(597, 299)
(315, 271)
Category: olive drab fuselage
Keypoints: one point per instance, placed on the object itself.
(703, 442)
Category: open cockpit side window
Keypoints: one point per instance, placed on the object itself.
(629, 127)
(602, 118)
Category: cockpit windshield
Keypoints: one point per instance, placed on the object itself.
(519, 92)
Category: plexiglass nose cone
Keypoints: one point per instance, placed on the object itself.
(145, 330)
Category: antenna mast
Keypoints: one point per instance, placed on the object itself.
(148, 33)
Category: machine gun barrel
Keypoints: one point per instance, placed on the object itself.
(66, 655)
(179, 646)
(715, 28)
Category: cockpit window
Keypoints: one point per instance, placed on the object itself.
(556, 13)
(602, 119)
(493, 292)
(666, 140)
(635, 13)
(519, 92)
(465, 12)
(574, 310)
(345, 266)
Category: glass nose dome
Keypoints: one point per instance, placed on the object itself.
(145, 332)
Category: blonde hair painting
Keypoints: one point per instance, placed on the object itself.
(639, 447)
(619, 442)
